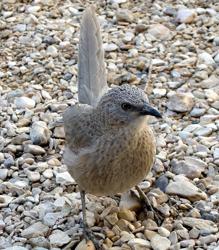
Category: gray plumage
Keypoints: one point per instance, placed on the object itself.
(92, 74)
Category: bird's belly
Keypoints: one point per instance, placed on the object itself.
(119, 176)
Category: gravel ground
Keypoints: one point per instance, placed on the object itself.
(172, 45)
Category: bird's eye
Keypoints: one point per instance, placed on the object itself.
(126, 106)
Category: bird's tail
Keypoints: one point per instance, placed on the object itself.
(92, 82)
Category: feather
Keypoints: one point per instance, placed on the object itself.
(92, 73)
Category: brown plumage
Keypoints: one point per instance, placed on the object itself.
(109, 146)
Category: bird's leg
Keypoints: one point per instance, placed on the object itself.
(88, 234)
(158, 217)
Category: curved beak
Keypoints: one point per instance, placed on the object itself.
(148, 110)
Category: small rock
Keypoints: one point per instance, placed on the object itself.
(108, 47)
(39, 133)
(138, 244)
(187, 168)
(24, 102)
(206, 58)
(52, 51)
(33, 9)
(203, 131)
(159, 31)
(64, 178)
(59, 132)
(3, 174)
(160, 243)
(59, 238)
(34, 149)
(48, 173)
(33, 176)
(197, 112)
(185, 16)
(180, 102)
(16, 248)
(35, 230)
(216, 153)
(126, 215)
(206, 227)
(83, 245)
(5, 200)
(124, 15)
(184, 188)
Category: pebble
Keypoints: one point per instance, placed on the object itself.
(124, 15)
(216, 153)
(35, 230)
(160, 243)
(24, 102)
(3, 174)
(159, 31)
(184, 188)
(64, 178)
(206, 58)
(137, 244)
(110, 47)
(188, 168)
(34, 149)
(205, 227)
(39, 133)
(180, 102)
(185, 16)
(59, 238)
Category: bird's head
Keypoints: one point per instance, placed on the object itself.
(125, 104)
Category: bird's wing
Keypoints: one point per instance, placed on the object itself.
(92, 74)
(77, 126)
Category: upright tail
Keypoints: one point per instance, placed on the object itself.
(92, 82)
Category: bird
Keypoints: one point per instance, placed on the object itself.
(109, 148)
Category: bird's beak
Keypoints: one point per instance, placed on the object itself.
(148, 110)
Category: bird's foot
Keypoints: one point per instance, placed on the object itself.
(147, 204)
(89, 236)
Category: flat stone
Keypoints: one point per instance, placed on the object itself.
(83, 245)
(5, 200)
(126, 215)
(188, 168)
(206, 227)
(34, 149)
(185, 16)
(216, 153)
(35, 230)
(203, 131)
(211, 82)
(160, 243)
(3, 174)
(180, 102)
(59, 132)
(184, 188)
(39, 133)
(59, 238)
(159, 31)
(24, 102)
(64, 178)
(206, 58)
(139, 244)
(124, 15)
(33, 176)
(108, 47)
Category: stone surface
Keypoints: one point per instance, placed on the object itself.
(160, 243)
(24, 102)
(184, 188)
(159, 31)
(185, 16)
(39, 133)
(180, 102)
(59, 238)
(35, 230)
